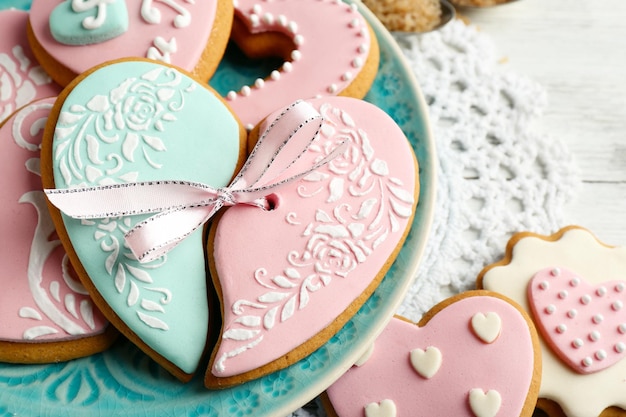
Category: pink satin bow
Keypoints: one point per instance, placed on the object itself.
(182, 206)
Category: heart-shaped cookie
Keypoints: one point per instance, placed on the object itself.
(138, 120)
(22, 80)
(45, 312)
(327, 45)
(537, 272)
(289, 277)
(189, 34)
(472, 378)
(583, 323)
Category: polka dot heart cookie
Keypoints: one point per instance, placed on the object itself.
(573, 287)
(584, 324)
(473, 355)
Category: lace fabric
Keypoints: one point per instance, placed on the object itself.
(498, 174)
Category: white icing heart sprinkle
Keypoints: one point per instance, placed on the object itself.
(487, 327)
(385, 408)
(426, 362)
(485, 404)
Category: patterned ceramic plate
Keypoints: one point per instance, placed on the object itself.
(123, 381)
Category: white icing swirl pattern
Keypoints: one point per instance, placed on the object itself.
(69, 315)
(115, 130)
(337, 241)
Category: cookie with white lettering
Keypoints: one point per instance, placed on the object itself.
(291, 275)
(70, 36)
(46, 313)
(574, 288)
(118, 125)
(473, 355)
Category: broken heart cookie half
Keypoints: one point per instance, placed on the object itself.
(288, 277)
(123, 123)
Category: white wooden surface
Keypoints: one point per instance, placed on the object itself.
(576, 49)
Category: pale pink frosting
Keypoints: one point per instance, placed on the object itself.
(286, 274)
(332, 44)
(39, 300)
(465, 363)
(22, 80)
(190, 40)
(584, 323)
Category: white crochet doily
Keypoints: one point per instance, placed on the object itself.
(498, 173)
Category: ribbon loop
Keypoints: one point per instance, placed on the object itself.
(182, 207)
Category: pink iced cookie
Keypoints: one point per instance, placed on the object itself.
(288, 278)
(45, 312)
(328, 48)
(584, 324)
(475, 355)
(69, 37)
(22, 80)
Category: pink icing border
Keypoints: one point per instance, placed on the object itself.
(575, 248)
(332, 40)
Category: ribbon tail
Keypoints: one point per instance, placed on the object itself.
(128, 199)
(283, 142)
(157, 235)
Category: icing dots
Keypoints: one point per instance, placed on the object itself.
(584, 327)
(486, 327)
(441, 368)
(120, 124)
(331, 44)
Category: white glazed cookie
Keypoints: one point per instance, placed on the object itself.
(573, 287)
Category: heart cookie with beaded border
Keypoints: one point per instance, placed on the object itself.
(139, 120)
(570, 283)
(475, 355)
(328, 49)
